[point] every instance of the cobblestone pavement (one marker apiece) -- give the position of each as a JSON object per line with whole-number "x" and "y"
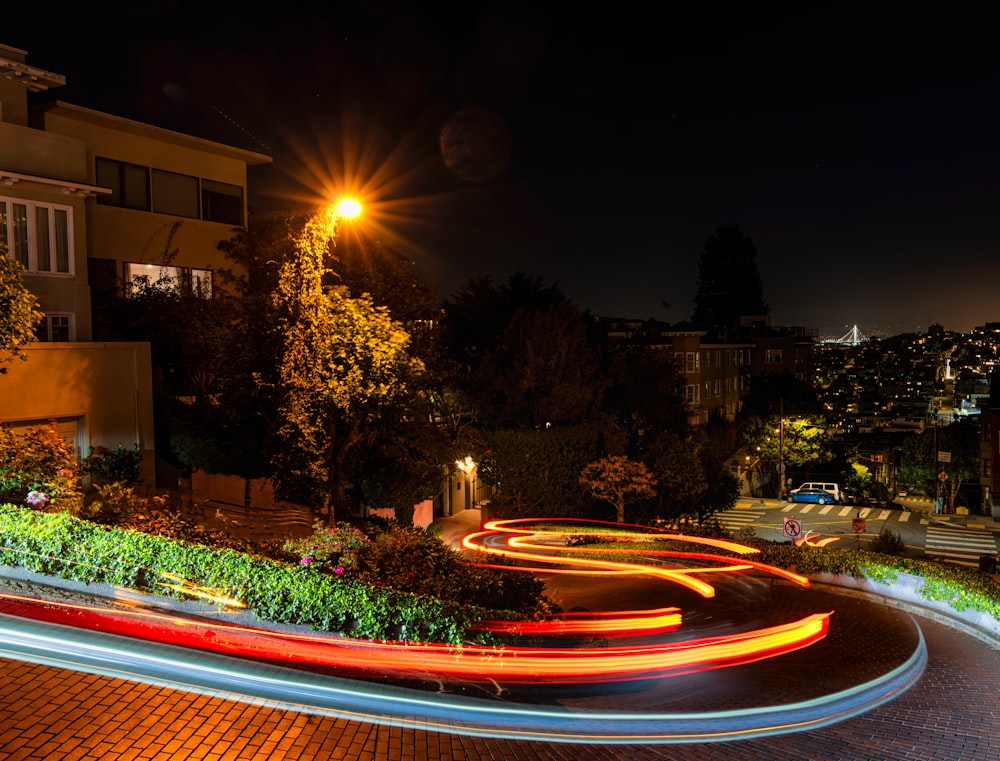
{"x": 51, "y": 713}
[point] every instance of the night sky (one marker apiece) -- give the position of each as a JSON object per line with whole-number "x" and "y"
{"x": 596, "y": 150}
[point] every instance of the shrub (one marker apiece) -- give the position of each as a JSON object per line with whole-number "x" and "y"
{"x": 38, "y": 460}
{"x": 329, "y": 548}
{"x": 888, "y": 543}
{"x": 408, "y": 559}
{"x": 67, "y": 547}
{"x": 120, "y": 466}
{"x": 118, "y": 504}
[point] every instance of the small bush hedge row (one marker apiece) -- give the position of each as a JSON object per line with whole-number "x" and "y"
{"x": 960, "y": 587}
{"x": 70, "y": 548}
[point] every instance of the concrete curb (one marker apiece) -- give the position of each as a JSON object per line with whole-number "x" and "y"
{"x": 905, "y": 595}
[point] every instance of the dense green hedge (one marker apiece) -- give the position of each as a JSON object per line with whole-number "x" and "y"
{"x": 66, "y": 547}
{"x": 960, "y": 587}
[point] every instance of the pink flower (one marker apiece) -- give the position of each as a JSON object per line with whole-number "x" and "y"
{"x": 338, "y": 570}
{"x": 306, "y": 560}
{"x": 37, "y": 498}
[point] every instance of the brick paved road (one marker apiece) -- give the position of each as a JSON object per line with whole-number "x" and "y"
{"x": 49, "y": 713}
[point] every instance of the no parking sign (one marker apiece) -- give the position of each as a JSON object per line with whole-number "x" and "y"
{"x": 793, "y": 528}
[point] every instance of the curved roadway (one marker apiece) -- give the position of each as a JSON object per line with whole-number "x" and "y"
{"x": 54, "y": 704}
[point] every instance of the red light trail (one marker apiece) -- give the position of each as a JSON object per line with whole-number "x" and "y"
{"x": 504, "y": 664}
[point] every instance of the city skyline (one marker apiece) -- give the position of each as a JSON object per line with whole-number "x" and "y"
{"x": 598, "y": 153}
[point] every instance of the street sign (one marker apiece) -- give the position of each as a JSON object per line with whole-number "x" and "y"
{"x": 942, "y": 476}
{"x": 793, "y": 528}
{"x": 858, "y": 524}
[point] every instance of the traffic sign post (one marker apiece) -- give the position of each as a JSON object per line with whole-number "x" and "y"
{"x": 793, "y": 528}
{"x": 858, "y": 526}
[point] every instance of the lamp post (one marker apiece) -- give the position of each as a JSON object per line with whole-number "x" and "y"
{"x": 781, "y": 449}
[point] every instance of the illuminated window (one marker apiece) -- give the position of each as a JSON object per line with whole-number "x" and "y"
{"x": 187, "y": 280}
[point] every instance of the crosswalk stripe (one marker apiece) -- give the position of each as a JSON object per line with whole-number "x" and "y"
{"x": 738, "y": 519}
{"x": 959, "y": 545}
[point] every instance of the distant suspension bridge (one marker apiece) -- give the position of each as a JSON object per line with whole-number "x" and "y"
{"x": 851, "y": 338}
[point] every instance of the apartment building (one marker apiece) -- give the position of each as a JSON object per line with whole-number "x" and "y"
{"x": 717, "y": 372}
{"x": 89, "y": 202}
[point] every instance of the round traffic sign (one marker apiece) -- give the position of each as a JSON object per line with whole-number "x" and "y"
{"x": 793, "y": 528}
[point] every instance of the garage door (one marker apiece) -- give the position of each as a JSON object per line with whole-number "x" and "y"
{"x": 69, "y": 428}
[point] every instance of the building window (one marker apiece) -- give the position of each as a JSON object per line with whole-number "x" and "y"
{"x": 38, "y": 235}
{"x": 180, "y": 195}
{"x": 129, "y": 184}
{"x": 175, "y": 194}
{"x": 53, "y": 327}
{"x": 773, "y": 357}
{"x": 691, "y": 394}
{"x": 692, "y": 362}
{"x": 221, "y": 202}
{"x": 186, "y": 280}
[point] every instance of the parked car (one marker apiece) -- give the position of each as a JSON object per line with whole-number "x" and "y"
{"x": 810, "y": 494}
{"x": 826, "y": 486}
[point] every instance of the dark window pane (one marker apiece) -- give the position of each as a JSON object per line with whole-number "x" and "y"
{"x": 221, "y": 202}
{"x": 136, "y": 180}
{"x": 175, "y": 194}
{"x": 109, "y": 176}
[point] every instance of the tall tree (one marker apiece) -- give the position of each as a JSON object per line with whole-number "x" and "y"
{"x": 920, "y": 465}
{"x": 535, "y": 472}
{"x": 367, "y": 266}
{"x": 344, "y": 366}
{"x": 797, "y": 443}
{"x": 477, "y": 316}
{"x": 546, "y": 370}
{"x": 677, "y": 464}
{"x": 729, "y": 284}
{"x": 19, "y": 313}
{"x": 645, "y": 396}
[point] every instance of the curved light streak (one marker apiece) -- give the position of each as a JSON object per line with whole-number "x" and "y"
{"x": 288, "y": 689}
{"x": 197, "y": 655}
{"x": 509, "y": 665}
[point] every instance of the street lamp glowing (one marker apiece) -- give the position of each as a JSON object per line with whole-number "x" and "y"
{"x": 348, "y": 208}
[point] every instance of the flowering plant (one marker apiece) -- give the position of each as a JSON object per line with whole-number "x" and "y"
{"x": 333, "y": 549}
{"x": 38, "y": 498}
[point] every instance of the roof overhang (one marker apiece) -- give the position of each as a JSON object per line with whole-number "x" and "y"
{"x": 68, "y": 187}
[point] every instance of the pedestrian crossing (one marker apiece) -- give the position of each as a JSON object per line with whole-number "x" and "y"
{"x": 959, "y": 545}
{"x": 847, "y": 511}
{"x": 739, "y": 518}
{"x": 963, "y": 545}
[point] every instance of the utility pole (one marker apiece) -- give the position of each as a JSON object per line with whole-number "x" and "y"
{"x": 781, "y": 448}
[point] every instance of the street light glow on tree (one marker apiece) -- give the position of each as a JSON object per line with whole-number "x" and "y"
{"x": 344, "y": 366}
